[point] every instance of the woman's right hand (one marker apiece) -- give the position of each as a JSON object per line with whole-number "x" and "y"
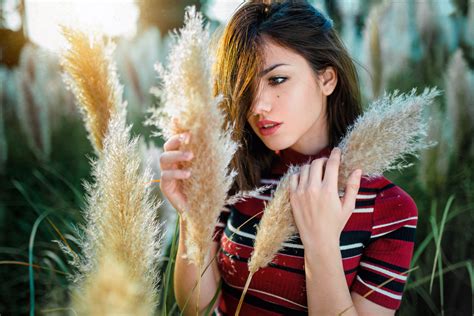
{"x": 171, "y": 175}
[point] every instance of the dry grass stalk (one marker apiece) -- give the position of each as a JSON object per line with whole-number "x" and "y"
{"x": 459, "y": 104}
{"x": 33, "y": 108}
{"x": 276, "y": 226}
{"x": 189, "y": 105}
{"x": 121, "y": 240}
{"x": 91, "y": 74}
{"x": 391, "y": 128}
{"x": 373, "y": 37}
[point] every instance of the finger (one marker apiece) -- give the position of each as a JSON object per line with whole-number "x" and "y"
{"x": 316, "y": 173}
{"x": 176, "y": 140}
{"x": 352, "y": 188}
{"x": 168, "y": 159}
{"x": 332, "y": 169}
{"x": 293, "y": 182}
{"x": 170, "y": 175}
{"x": 304, "y": 176}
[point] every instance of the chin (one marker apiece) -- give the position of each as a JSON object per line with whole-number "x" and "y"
{"x": 274, "y": 146}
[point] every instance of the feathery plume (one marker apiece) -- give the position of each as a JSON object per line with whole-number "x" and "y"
{"x": 121, "y": 240}
{"x": 272, "y": 235}
{"x": 434, "y": 163}
{"x": 391, "y": 128}
{"x": 189, "y": 105}
{"x": 91, "y": 74}
{"x": 33, "y": 107}
{"x": 397, "y": 120}
{"x": 459, "y": 103}
{"x": 375, "y": 53}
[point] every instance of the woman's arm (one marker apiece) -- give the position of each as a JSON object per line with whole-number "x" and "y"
{"x": 186, "y": 276}
{"x": 326, "y": 286}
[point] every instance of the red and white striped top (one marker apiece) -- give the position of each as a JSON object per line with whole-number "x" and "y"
{"x": 376, "y": 245}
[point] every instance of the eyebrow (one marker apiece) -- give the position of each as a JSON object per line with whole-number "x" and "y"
{"x": 264, "y": 72}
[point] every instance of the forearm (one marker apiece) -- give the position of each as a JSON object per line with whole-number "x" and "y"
{"x": 326, "y": 285}
{"x": 186, "y": 276}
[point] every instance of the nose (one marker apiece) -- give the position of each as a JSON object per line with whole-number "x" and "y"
{"x": 261, "y": 104}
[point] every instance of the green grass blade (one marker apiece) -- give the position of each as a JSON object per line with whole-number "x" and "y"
{"x": 170, "y": 266}
{"x": 30, "y": 260}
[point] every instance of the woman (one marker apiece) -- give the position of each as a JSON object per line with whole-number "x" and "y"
{"x": 291, "y": 91}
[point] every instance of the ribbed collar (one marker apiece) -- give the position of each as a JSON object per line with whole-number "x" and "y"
{"x": 289, "y": 156}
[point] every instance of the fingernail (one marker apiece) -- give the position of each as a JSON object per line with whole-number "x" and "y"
{"x": 188, "y": 173}
{"x": 186, "y": 138}
{"x": 358, "y": 172}
{"x": 188, "y": 155}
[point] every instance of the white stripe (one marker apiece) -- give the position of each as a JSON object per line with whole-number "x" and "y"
{"x": 269, "y": 181}
{"x": 262, "y": 197}
{"x": 396, "y": 222}
{"x": 269, "y": 294}
{"x": 220, "y": 225}
{"x": 244, "y": 234}
{"x": 381, "y": 234}
{"x": 388, "y": 232}
{"x": 363, "y": 197}
{"x": 363, "y": 210}
{"x": 286, "y": 244}
{"x": 389, "y": 273}
{"x": 376, "y": 289}
{"x": 352, "y": 246}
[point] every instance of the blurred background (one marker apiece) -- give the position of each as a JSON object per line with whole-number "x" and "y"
{"x": 45, "y": 154}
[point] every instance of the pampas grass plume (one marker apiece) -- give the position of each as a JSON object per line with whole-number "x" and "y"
{"x": 121, "y": 240}
{"x": 189, "y": 105}
{"x": 391, "y": 128}
{"x": 91, "y": 75}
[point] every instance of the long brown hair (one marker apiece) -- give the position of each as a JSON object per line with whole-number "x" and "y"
{"x": 295, "y": 25}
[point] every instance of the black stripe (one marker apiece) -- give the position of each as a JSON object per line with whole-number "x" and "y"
{"x": 260, "y": 303}
{"x": 353, "y": 236}
{"x": 369, "y": 190}
{"x": 271, "y": 264}
{"x": 402, "y": 233}
{"x": 377, "y": 190}
{"x": 351, "y": 252}
{"x": 384, "y": 264}
{"x": 378, "y": 279}
{"x": 388, "y": 186}
{"x": 365, "y": 203}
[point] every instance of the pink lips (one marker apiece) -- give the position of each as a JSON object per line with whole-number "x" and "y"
{"x": 268, "y": 131}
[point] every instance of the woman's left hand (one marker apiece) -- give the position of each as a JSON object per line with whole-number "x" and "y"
{"x": 320, "y": 214}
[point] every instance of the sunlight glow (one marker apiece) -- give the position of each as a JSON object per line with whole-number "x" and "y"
{"x": 112, "y": 17}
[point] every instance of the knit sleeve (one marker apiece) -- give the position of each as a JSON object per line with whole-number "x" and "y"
{"x": 390, "y": 249}
{"x": 221, "y": 223}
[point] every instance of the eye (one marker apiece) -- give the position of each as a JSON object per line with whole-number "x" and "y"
{"x": 276, "y": 80}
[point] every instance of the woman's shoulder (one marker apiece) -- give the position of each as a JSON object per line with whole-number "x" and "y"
{"x": 393, "y": 205}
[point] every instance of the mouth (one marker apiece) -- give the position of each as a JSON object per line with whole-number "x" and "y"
{"x": 269, "y": 129}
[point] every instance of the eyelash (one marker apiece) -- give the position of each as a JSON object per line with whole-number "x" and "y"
{"x": 272, "y": 80}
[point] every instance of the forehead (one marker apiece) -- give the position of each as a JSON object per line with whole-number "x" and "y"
{"x": 273, "y": 53}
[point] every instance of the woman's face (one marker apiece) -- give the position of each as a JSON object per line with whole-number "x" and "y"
{"x": 288, "y": 94}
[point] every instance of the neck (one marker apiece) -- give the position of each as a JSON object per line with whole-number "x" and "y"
{"x": 316, "y": 139}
